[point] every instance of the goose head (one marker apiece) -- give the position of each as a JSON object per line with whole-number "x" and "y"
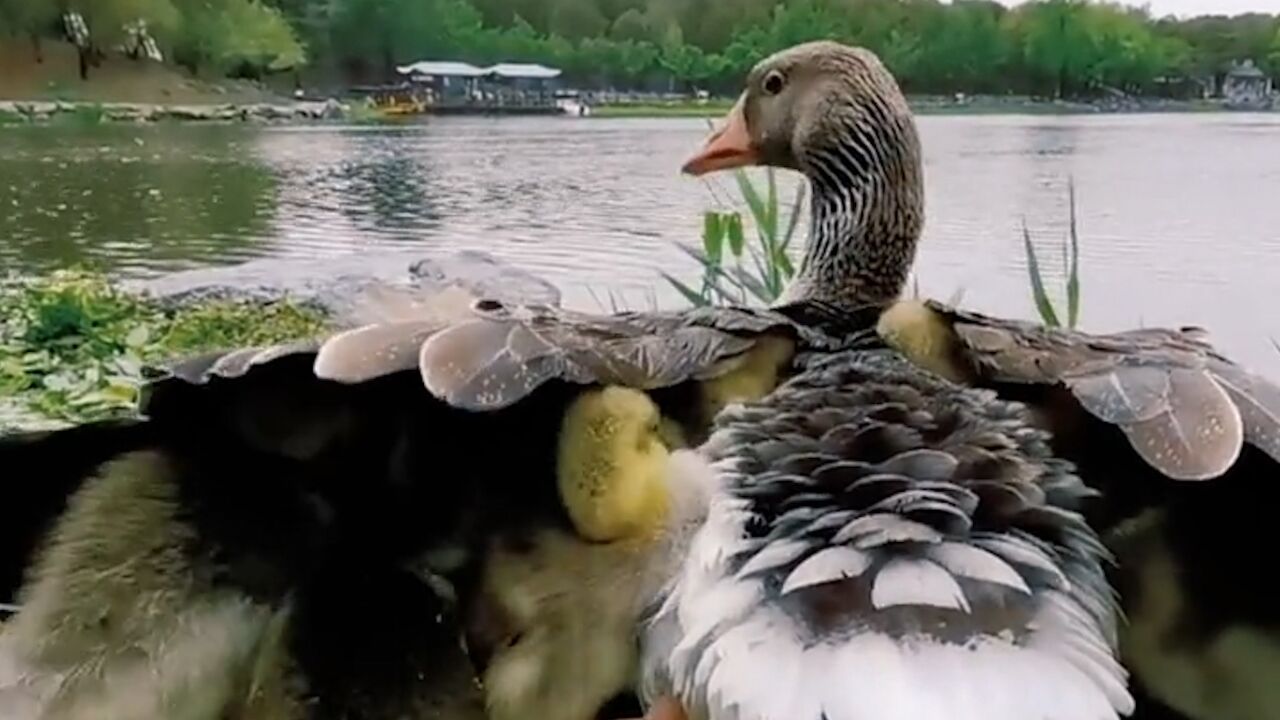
{"x": 835, "y": 114}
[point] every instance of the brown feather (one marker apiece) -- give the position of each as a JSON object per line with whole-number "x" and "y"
{"x": 1197, "y": 437}
{"x": 1185, "y": 410}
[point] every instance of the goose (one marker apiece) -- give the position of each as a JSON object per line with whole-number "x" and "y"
{"x": 1181, "y": 445}
{"x": 334, "y": 527}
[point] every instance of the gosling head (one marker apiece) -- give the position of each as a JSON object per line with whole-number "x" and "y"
{"x": 834, "y": 113}
{"x": 612, "y": 464}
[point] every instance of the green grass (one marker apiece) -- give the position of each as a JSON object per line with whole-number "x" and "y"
{"x": 73, "y": 347}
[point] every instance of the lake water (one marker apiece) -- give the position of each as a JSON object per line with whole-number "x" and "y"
{"x": 1179, "y": 215}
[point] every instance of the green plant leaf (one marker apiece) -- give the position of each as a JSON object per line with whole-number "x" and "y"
{"x": 758, "y": 290}
{"x": 1043, "y": 305}
{"x": 712, "y": 273}
{"x": 783, "y": 262}
{"x": 733, "y": 223}
{"x": 759, "y": 214}
{"x": 1073, "y": 270}
{"x": 712, "y": 235}
{"x": 694, "y": 297}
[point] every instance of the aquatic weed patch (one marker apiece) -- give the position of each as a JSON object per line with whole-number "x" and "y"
{"x": 74, "y": 348}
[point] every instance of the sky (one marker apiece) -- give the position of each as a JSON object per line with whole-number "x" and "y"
{"x": 1187, "y": 8}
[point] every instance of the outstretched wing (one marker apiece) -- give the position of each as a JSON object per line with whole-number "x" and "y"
{"x": 1186, "y": 409}
{"x": 497, "y": 354}
{"x": 472, "y": 354}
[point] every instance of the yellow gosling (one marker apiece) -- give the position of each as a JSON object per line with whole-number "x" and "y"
{"x": 925, "y": 337}
{"x": 611, "y": 464}
{"x": 756, "y": 376}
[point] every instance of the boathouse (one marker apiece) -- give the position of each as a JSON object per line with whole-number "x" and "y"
{"x": 451, "y": 86}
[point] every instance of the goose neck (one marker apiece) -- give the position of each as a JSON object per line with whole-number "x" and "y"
{"x": 866, "y": 214}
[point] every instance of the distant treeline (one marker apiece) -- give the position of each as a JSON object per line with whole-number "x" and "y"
{"x": 1043, "y": 47}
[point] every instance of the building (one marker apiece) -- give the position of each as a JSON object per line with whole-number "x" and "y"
{"x": 1245, "y": 85}
{"x": 450, "y": 86}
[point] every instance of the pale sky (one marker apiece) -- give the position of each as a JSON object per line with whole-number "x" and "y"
{"x": 1186, "y": 8}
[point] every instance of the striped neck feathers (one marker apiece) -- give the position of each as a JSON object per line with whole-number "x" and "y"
{"x": 867, "y": 208}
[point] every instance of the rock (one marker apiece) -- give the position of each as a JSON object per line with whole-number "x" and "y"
{"x": 40, "y": 109}
{"x": 128, "y": 112}
{"x": 131, "y": 112}
{"x": 333, "y": 110}
{"x": 336, "y": 286}
{"x": 187, "y": 112}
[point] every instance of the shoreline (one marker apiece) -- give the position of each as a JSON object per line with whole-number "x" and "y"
{"x": 44, "y": 111}
{"x": 975, "y": 105}
{"x": 23, "y": 112}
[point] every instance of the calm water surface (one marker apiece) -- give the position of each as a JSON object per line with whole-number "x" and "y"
{"x": 1179, "y": 215}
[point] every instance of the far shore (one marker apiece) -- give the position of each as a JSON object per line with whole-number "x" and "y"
{"x": 122, "y": 90}
{"x": 285, "y": 110}
{"x": 971, "y": 105}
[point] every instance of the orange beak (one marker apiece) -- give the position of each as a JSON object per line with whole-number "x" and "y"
{"x": 728, "y": 147}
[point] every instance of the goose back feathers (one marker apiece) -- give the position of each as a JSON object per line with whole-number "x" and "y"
{"x": 882, "y": 544}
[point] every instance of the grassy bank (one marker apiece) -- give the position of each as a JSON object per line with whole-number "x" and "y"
{"x": 692, "y": 108}
{"x": 74, "y": 348}
{"x": 117, "y": 80}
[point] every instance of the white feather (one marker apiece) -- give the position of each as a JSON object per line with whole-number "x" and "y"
{"x": 729, "y": 652}
{"x": 774, "y": 555}
{"x": 914, "y": 581}
{"x": 825, "y": 566}
{"x": 881, "y": 528}
{"x": 977, "y": 564}
{"x": 1023, "y": 553}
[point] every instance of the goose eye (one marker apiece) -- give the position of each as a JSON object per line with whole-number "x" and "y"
{"x": 773, "y": 82}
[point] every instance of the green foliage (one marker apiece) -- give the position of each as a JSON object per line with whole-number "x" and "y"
{"x": 727, "y": 278}
{"x": 236, "y": 35}
{"x": 1043, "y": 47}
{"x": 1071, "y": 261}
{"x": 19, "y": 17}
{"x": 74, "y": 348}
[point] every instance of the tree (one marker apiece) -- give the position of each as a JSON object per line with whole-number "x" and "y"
{"x": 577, "y": 19}
{"x": 27, "y": 17}
{"x": 244, "y": 37}
{"x": 1273, "y": 54}
{"x": 1057, "y": 46}
{"x": 631, "y": 25}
